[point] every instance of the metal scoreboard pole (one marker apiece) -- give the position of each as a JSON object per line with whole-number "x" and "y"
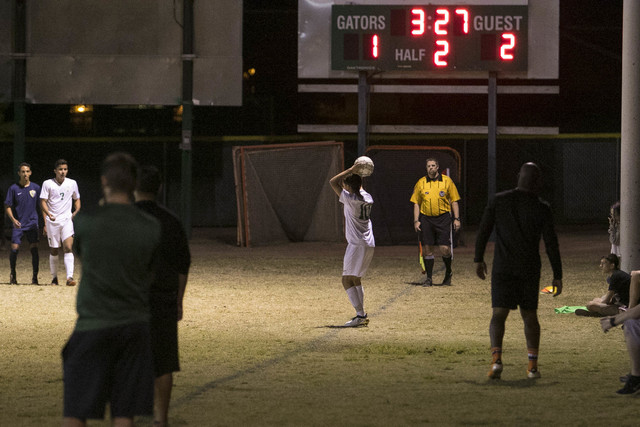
{"x": 492, "y": 133}
{"x": 363, "y": 112}
{"x": 187, "y": 114}
{"x": 19, "y": 81}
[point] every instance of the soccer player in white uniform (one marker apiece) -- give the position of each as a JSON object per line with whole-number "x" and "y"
{"x": 359, "y": 234}
{"x": 57, "y": 197}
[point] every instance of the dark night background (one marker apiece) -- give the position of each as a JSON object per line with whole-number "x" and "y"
{"x": 589, "y": 102}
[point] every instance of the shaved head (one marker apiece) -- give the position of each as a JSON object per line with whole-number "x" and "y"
{"x": 530, "y": 178}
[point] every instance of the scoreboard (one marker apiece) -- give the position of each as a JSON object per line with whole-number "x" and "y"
{"x": 429, "y": 37}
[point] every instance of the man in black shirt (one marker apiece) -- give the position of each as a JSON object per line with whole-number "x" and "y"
{"x": 519, "y": 218}
{"x": 167, "y": 290}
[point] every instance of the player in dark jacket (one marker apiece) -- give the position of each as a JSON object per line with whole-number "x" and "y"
{"x": 519, "y": 218}
{"x": 167, "y": 290}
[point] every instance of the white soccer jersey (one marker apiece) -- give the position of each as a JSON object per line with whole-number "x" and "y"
{"x": 357, "y": 214}
{"x": 60, "y": 197}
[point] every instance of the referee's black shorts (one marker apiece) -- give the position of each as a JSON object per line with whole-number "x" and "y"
{"x": 436, "y": 230}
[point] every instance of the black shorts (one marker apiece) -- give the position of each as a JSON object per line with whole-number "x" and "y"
{"x": 108, "y": 365}
{"x": 510, "y": 291}
{"x": 164, "y": 344}
{"x": 436, "y": 230}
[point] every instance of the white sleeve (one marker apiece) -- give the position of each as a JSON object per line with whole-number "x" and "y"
{"x": 44, "y": 190}
{"x": 344, "y": 197}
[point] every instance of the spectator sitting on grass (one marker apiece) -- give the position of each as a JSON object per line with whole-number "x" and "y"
{"x": 617, "y": 296}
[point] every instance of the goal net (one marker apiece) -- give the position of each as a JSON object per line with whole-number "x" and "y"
{"x": 397, "y": 169}
{"x": 283, "y": 192}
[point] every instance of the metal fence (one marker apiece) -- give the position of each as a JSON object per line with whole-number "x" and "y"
{"x": 582, "y": 172}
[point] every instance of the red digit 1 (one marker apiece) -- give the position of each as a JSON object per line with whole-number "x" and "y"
{"x": 440, "y": 55}
{"x": 442, "y": 22}
{"x": 506, "y": 48}
{"x": 374, "y": 47}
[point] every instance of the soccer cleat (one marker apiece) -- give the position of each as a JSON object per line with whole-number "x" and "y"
{"x": 587, "y": 313}
{"x": 496, "y": 371}
{"x": 70, "y": 281}
{"x": 427, "y": 282}
{"x": 54, "y": 281}
{"x": 12, "y": 279}
{"x": 34, "y": 280}
{"x": 533, "y": 374}
{"x": 357, "y": 321}
{"x": 625, "y": 378}
{"x": 631, "y": 386}
{"x": 447, "y": 279}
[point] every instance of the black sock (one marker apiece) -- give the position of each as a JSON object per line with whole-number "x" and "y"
{"x": 13, "y": 256}
{"x": 447, "y": 264}
{"x": 428, "y": 265}
{"x": 35, "y": 261}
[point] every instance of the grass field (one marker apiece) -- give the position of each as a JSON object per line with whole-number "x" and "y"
{"x": 259, "y": 344}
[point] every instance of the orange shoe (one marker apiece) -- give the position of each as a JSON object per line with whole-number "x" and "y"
{"x": 71, "y": 282}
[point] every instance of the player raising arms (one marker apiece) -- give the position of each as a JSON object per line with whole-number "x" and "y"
{"x": 359, "y": 234}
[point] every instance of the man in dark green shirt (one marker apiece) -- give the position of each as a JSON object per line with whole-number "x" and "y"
{"x": 108, "y": 356}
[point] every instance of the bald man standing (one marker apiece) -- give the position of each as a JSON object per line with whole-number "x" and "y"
{"x": 519, "y": 218}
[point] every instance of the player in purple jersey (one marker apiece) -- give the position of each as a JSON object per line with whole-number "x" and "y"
{"x": 21, "y": 208}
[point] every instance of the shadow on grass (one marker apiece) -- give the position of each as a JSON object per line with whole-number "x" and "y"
{"x": 340, "y": 327}
{"x": 26, "y": 284}
{"x": 419, "y": 284}
{"x": 519, "y": 383}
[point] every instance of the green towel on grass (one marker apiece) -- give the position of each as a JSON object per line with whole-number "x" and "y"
{"x": 567, "y": 309}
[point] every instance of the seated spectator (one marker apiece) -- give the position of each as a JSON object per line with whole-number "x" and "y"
{"x": 631, "y": 321}
{"x": 617, "y": 296}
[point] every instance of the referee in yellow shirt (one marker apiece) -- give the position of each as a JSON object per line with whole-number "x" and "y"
{"x": 435, "y": 197}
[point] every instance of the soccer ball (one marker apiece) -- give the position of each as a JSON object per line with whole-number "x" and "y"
{"x": 363, "y": 166}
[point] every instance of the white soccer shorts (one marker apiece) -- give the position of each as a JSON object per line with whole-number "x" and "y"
{"x": 356, "y": 260}
{"x": 59, "y": 232}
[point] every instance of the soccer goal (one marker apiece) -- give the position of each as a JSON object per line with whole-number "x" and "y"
{"x": 283, "y": 192}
